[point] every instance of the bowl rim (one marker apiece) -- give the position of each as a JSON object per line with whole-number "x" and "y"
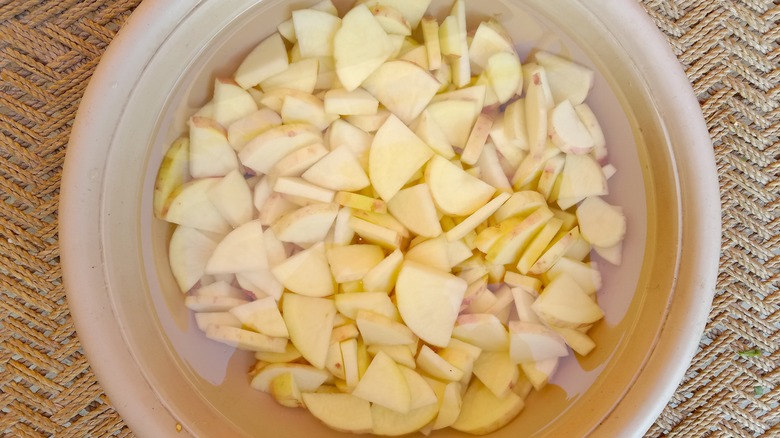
{"x": 114, "y": 81}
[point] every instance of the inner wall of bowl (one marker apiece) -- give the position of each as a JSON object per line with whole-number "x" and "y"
{"x": 208, "y": 380}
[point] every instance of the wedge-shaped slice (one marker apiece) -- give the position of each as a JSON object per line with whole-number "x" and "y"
{"x": 456, "y": 118}
{"x": 536, "y": 113}
{"x": 261, "y": 283}
{"x": 210, "y": 153}
{"x": 352, "y": 262}
{"x": 564, "y": 304}
{"x": 285, "y": 391}
{"x": 242, "y": 131}
{"x": 581, "y": 177}
{"x": 523, "y": 305}
{"x": 396, "y": 155}
{"x": 586, "y": 275}
{"x": 287, "y": 30}
{"x": 343, "y": 133}
{"x": 505, "y": 75}
{"x": 450, "y": 402}
{"x": 267, "y": 59}
{"x": 401, "y": 354}
{"x": 306, "y": 109}
{"x": 307, "y": 377}
{"x": 538, "y": 245}
{"x": 601, "y": 224}
{"x": 429, "y": 301}
{"x": 568, "y": 81}
{"x": 557, "y": 249}
{"x": 356, "y": 60}
{"x": 476, "y": 141}
{"x": 384, "y": 384}
{"x": 342, "y": 412}
{"x": 492, "y": 172}
{"x": 482, "y": 412}
{"x": 307, "y": 272}
{"x": 244, "y": 339}
{"x": 174, "y": 171}
{"x": 342, "y": 233}
{"x": 310, "y": 323}
{"x": 274, "y": 99}
{"x": 402, "y": 87}
{"x": 295, "y": 164}
{"x": 567, "y": 130}
{"x": 462, "y": 355}
{"x": 520, "y": 204}
{"x": 301, "y": 75}
{"x": 370, "y": 123}
{"x": 382, "y": 236}
{"x": 350, "y": 103}
{"x": 420, "y": 391}
{"x": 388, "y": 422}
{"x": 489, "y": 39}
{"x": 551, "y": 172}
{"x": 262, "y": 153}
{"x": 577, "y": 340}
{"x": 315, "y": 31}
{"x": 509, "y": 247}
{"x": 382, "y": 277}
{"x": 539, "y": 372}
{"x": 290, "y": 354}
{"x": 382, "y": 219}
{"x": 360, "y": 202}
{"x": 377, "y": 329}
{"x": 303, "y": 192}
{"x": 233, "y": 198}
{"x": 412, "y": 10}
{"x": 350, "y": 349}
{"x": 339, "y": 170}
{"x": 240, "y": 251}
{"x": 205, "y": 319}
{"x": 454, "y": 190}
{"x": 476, "y": 218}
{"x": 530, "y": 342}
{"x": 432, "y": 252}
{"x": 275, "y": 207}
{"x": 415, "y": 209}
{"x": 436, "y": 366}
{"x": 188, "y": 254}
{"x": 483, "y": 330}
{"x": 588, "y": 118}
{"x": 430, "y": 31}
{"x": 515, "y": 128}
{"x": 231, "y": 102}
{"x": 612, "y": 254}
{"x": 262, "y": 316}
{"x": 308, "y": 224}
{"x": 497, "y": 372}
{"x": 377, "y": 302}
{"x": 461, "y": 66}
{"x": 189, "y": 205}
{"x": 334, "y": 361}
{"x": 326, "y": 6}
{"x": 391, "y": 20}
{"x": 431, "y": 133}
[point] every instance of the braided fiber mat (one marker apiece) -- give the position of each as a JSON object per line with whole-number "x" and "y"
{"x": 49, "y": 49}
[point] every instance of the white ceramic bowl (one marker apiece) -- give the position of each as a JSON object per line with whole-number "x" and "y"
{"x": 160, "y": 371}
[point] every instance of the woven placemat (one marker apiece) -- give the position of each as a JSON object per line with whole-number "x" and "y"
{"x": 49, "y": 49}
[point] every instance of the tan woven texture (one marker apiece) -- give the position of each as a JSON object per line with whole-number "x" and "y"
{"x": 49, "y": 49}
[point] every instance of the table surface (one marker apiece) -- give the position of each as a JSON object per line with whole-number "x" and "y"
{"x": 49, "y": 49}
